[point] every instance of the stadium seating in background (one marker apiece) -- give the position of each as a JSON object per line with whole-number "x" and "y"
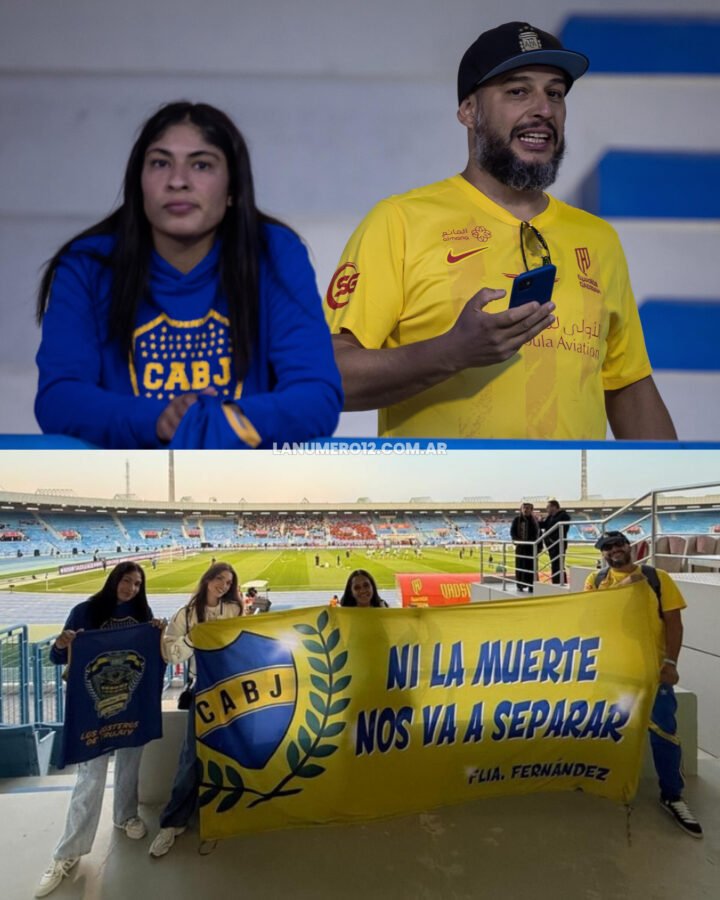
{"x": 651, "y": 184}
{"x": 25, "y": 750}
{"x": 698, "y": 321}
{"x": 57, "y": 730}
{"x": 706, "y": 544}
{"x": 670, "y": 552}
{"x": 640, "y": 550}
{"x": 677, "y": 181}
{"x": 646, "y": 45}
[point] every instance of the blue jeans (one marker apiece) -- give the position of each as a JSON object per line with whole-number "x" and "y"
{"x": 184, "y": 795}
{"x": 666, "y": 749}
{"x": 83, "y": 816}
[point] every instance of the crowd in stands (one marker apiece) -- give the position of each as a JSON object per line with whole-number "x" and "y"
{"x": 65, "y": 534}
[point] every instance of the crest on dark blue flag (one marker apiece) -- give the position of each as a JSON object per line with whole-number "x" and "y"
{"x": 246, "y": 697}
{"x": 111, "y": 679}
{"x": 114, "y": 689}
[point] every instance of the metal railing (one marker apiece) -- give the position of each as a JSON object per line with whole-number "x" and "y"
{"x": 32, "y": 688}
{"x": 14, "y": 675}
{"x": 48, "y": 686}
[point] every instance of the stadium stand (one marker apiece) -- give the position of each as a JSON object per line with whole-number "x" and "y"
{"x": 357, "y": 531}
{"x": 220, "y": 532}
{"x": 89, "y": 533}
{"x": 646, "y": 44}
{"x": 670, "y": 552}
{"x": 625, "y": 183}
{"x": 24, "y": 533}
{"x": 25, "y": 750}
{"x": 431, "y": 530}
{"x": 664, "y": 319}
{"x": 150, "y": 532}
{"x": 654, "y": 184}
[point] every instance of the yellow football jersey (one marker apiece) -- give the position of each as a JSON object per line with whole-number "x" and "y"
{"x": 417, "y": 258}
{"x": 670, "y": 596}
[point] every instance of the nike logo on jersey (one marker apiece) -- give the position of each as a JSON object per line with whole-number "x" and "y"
{"x": 451, "y": 258}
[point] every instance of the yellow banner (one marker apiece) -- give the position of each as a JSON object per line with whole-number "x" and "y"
{"x": 335, "y": 715}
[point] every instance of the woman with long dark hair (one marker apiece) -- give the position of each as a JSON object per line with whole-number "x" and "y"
{"x": 120, "y": 602}
{"x": 216, "y": 598}
{"x": 361, "y": 590}
{"x": 187, "y": 317}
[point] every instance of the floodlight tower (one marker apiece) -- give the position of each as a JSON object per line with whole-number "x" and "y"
{"x": 171, "y": 476}
{"x": 127, "y": 477}
{"x": 583, "y": 475}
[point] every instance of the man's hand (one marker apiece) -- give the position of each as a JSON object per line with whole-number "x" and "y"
{"x": 672, "y": 620}
{"x": 479, "y": 338}
{"x": 380, "y": 378}
{"x": 633, "y": 578}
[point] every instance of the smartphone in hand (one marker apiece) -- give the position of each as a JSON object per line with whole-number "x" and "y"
{"x": 537, "y": 284}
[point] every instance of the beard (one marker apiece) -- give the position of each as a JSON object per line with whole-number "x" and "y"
{"x": 620, "y": 561}
{"x": 493, "y": 154}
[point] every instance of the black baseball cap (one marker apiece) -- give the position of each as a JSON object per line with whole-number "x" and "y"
{"x": 607, "y": 538}
{"x": 514, "y": 46}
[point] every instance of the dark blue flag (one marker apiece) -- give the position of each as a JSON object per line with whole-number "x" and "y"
{"x": 113, "y": 693}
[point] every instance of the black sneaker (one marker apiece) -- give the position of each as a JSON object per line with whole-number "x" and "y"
{"x": 680, "y": 811}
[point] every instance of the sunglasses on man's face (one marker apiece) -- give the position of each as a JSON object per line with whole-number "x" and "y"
{"x": 614, "y": 545}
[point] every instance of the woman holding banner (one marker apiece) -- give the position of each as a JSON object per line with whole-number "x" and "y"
{"x": 121, "y": 602}
{"x": 361, "y": 590}
{"x": 216, "y": 598}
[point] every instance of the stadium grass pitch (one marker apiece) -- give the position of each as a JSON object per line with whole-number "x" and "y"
{"x": 291, "y": 570}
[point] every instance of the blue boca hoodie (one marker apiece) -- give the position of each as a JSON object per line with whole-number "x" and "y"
{"x": 90, "y": 389}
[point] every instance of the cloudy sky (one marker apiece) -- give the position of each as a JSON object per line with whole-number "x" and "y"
{"x": 265, "y": 477}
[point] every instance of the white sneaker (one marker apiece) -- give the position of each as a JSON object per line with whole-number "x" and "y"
{"x": 59, "y": 869}
{"x": 164, "y": 840}
{"x": 134, "y": 828}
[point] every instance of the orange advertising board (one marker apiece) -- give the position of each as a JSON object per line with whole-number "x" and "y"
{"x": 435, "y": 590}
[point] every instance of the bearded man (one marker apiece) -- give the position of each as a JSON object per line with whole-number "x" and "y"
{"x": 666, "y": 750}
{"x": 418, "y": 306}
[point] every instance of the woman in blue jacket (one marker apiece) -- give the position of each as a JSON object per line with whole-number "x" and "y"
{"x": 120, "y": 602}
{"x": 186, "y": 318}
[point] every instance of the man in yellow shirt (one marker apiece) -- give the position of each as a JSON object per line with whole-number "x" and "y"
{"x": 667, "y": 753}
{"x": 418, "y": 306}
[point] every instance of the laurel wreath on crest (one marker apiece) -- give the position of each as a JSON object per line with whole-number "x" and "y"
{"x": 311, "y": 743}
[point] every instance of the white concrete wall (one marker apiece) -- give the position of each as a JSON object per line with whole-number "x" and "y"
{"x": 699, "y": 664}
{"x": 342, "y": 103}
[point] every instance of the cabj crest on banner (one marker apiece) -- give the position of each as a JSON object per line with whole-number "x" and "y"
{"x": 247, "y": 716}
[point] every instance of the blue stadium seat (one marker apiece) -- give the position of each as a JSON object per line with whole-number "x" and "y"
{"x": 642, "y": 44}
{"x": 682, "y": 334}
{"x": 25, "y": 750}
{"x": 57, "y": 729}
{"x": 646, "y": 184}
